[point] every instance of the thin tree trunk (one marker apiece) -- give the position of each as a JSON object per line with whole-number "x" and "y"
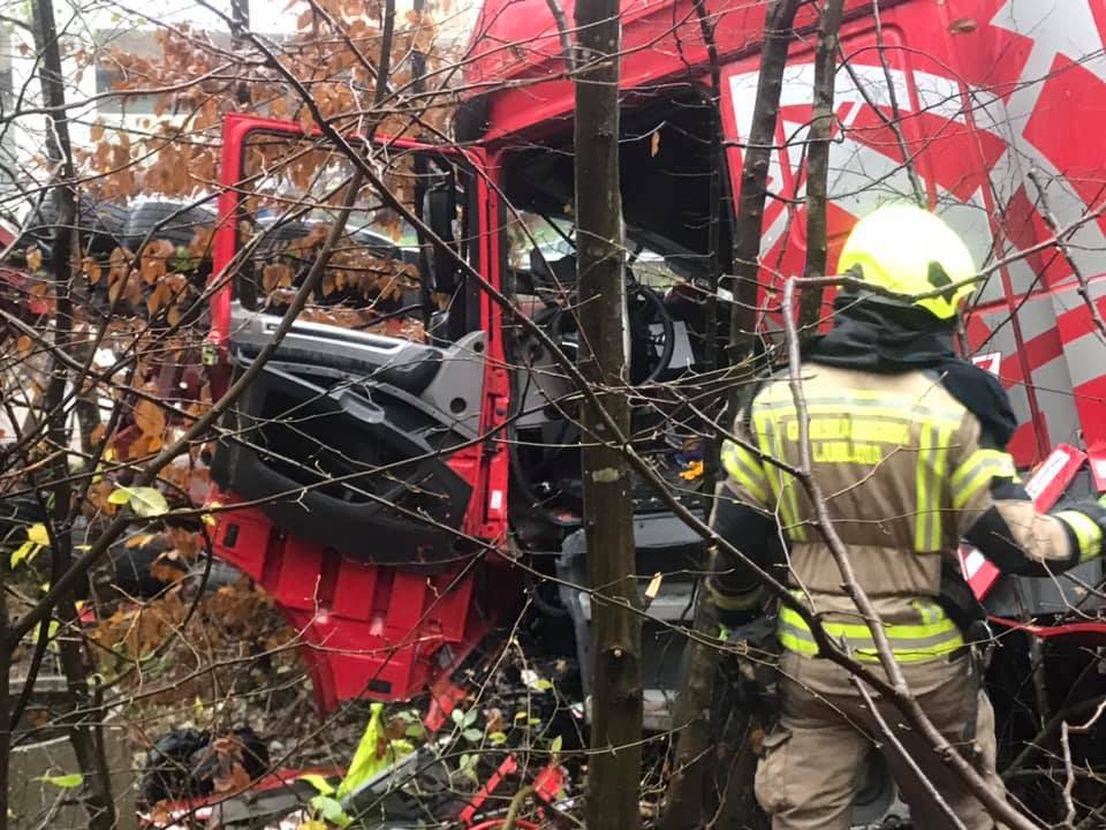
{"x": 817, "y": 161}
{"x": 778, "y": 33}
{"x": 240, "y": 17}
{"x": 84, "y": 733}
{"x": 5, "y": 712}
{"x": 614, "y": 768}
{"x": 687, "y": 796}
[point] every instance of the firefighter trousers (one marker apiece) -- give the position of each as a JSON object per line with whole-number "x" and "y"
{"x": 814, "y": 758}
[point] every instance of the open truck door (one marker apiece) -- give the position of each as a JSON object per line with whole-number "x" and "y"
{"x": 370, "y": 490}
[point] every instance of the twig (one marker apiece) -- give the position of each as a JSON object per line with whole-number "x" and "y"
{"x": 1065, "y": 744}
{"x": 893, "y": 739}
{"x": 817, "y": 164}
{"x": 895, "y": 122}
{"x": 778, "y": 33}
{"x": 562, "y": 34}
{"x": 1069, "y": 779}
{"x": 1050, "y": 222}
{"x": 516, "y": 807}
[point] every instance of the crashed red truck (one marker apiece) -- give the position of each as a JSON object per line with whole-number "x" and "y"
{"x": 393, "y": 589}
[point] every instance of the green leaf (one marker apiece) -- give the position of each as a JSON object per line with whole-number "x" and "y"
{"x": 148, "y": 502}
{"x": 331, "y": 810}
{"x": 25, "y": 553}
{"x": 543, "y": 685}
{"x": 470, "y": 718}
{"x": 457, "y": 716}
{"x": 120, "y": 496}
{"x": 473, "y": 736}
{"x": 467, "y": 765}
{"x": 555, "y": 745}
{"x": 51, "y": 630}
{"x": 37, "y": 533}
{"x": 497, "y": 738}
{"x": 321, "y": 785}
{"x": 65, "y": 782}
{"x": 399, "y": 747}
{"x": 415, "y": 730}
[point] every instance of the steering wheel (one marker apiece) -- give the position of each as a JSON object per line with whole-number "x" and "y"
{"x": 652, "y": 331}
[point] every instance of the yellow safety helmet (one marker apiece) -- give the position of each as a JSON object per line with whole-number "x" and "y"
{"x": 906, "y": 250}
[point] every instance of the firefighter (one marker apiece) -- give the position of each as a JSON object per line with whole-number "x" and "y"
{"x": 908, "y": 446}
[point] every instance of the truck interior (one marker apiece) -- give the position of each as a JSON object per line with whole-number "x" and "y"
{"x": 674, "y": 228}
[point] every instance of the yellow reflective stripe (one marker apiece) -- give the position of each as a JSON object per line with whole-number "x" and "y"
{"x": 765, "y": 435}
{"x": 734, "y": 602}
{"x": 939, "y": 625}
{"x": 746, "y": 469}
{"x": 922, "y": 490}
{"x": 796, "y": 530}
{"x": 1086, "y": 530}
{"x": 976, "y": 471}
{"x": 929, "y": 484}
{"x": 793, "y": 643}
{"x": 789, "y": 505}
{"x": 909, "y": 642}
{"x": 940, "y": 484}
{"x": 770, "y": 439}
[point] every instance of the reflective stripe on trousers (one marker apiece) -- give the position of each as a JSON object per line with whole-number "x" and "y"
{"x": 910, "y": 643}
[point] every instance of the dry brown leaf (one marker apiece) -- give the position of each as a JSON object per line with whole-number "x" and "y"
{"x": 276, "y": 275}
{"x": 235, "y": 780}
{"x": 166, "y": 571}
{"x": 149, "y": 418}
{"x": 92, "y": 270}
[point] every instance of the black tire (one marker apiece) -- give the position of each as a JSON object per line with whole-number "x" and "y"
{"x": 131, "y": 568}
{"x": 176, "y": 222}
{"x": 181, "y": 764}
{"x": 101, "y": 225}
{"x": 166, "y": 773}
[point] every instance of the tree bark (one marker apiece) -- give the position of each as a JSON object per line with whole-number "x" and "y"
{"x": 5, "y": 712}
{"x": 778, "y": 23}
{"x": 817, "y": 163}
{"x": 614, "y": 768}
{"x": 240, "y": 17}
{"x": 84, "y": 733}
{"x": 688, "y": 792}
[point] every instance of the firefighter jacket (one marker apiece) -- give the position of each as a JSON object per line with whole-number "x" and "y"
{"x": 908, "y": 448}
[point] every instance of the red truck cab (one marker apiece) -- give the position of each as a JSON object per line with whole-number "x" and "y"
{"x": 384, "y": 527}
